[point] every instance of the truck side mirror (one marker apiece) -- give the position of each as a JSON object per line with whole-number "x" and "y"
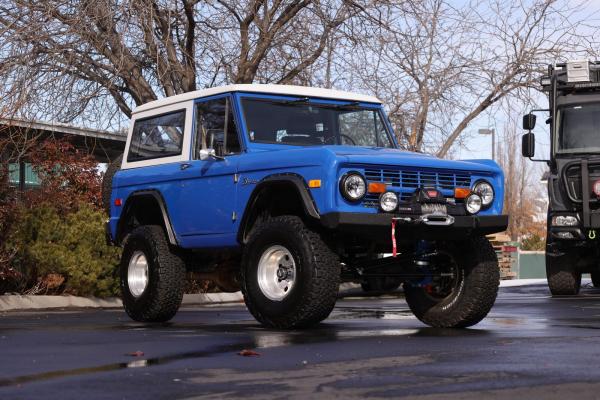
{"x": 529, "y": 121}
{"x": 528, "y": 144}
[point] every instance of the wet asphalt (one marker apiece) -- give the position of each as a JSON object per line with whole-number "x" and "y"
{"x": 530, "y": 346}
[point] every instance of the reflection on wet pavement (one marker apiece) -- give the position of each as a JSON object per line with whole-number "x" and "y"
{"x": 374, "y": 331}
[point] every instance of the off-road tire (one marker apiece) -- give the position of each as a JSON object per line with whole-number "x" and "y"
{"x": 595, "y": 278}
{"x": 163, "y": 294}
{"x": 478, "y": 281}
{"x": 112, "y": 168}
{"x": 380, "y": 284}
{"x": 313, "y": 295}
{"x": 563, "y": 278}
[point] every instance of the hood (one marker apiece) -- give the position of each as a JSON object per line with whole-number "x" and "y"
{"x": 401, "y": 158}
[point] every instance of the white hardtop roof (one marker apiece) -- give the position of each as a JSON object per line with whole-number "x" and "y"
{"x": 263, "y": 89}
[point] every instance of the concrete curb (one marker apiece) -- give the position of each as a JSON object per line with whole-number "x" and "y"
{"x": 35, "y": 302}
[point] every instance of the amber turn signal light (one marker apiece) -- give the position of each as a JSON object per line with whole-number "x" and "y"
{"x": 314, "y": 183}
{"x": 461, "y": 193}
{"x": 377, "y": 187}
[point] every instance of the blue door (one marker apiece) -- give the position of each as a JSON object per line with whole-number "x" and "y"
{"x": 207, "y": 195}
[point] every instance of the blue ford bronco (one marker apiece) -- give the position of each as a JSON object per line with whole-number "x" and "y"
{"x": 284, "y": 192}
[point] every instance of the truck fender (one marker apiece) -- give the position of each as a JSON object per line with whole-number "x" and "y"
{"x": 155, "y": 197}
{"x": 292, "y": 180}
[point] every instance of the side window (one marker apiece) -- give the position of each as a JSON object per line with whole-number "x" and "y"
{"x": 216, "y": 128}
{"x": 156, "y": 137}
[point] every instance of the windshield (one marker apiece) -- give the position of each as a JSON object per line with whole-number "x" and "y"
{"x": 302, "y": 123}
{"x": 579, "y": 128}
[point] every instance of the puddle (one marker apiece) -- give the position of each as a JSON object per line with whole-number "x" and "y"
{"x": 138, "y": 363}
{"x": 376, "y": 313}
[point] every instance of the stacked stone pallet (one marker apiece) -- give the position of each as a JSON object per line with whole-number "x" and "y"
{"x": 506, "y": 254}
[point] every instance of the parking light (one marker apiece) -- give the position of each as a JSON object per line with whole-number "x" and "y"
{"x": 377, "y": 187}
{"x": 461, "y": 193}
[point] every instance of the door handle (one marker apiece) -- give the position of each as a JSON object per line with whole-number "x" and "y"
{"x": 184, "y": 166}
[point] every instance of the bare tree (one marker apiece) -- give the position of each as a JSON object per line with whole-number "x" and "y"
{"x": 439, "y": 67}
{"x": 69, "y": 56}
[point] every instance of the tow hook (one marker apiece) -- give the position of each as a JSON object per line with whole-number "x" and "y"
{"x": 592, "y": 234}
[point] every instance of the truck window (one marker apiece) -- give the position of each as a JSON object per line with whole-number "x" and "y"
{"x": 216, "y": 128}
{"x": 157, "y": 137}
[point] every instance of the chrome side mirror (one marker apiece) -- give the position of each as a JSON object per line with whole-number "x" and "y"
{"x": 206, "y": 154}
{"x": 209, "y": 154}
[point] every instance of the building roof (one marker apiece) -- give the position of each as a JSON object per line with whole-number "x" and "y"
{"x": 263, "y": 89}
{"x": 105, "y": 146}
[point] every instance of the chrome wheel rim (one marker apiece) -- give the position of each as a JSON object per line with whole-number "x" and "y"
{"x": 276, "y": 273}
{"x": 137, "y": 274}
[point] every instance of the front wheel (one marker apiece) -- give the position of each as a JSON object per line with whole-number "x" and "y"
{"x": 290, "y": 277}
{"x": 563, "y": 278}
{"x": 462, "y": 287}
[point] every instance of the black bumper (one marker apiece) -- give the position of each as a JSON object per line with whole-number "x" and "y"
{"x": 380, "y": 225}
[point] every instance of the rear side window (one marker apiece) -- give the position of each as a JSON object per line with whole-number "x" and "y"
{"x": 157, "y": 137}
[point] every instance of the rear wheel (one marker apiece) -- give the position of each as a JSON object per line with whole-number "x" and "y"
{"x": 462, "y": 287}
{"x": 563, "y": 278}
{"x": 290, "y": 277}
{"x": 152, "y": 277}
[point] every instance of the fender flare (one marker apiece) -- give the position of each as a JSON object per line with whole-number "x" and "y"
{"x": 296, "y": 181}
{"x": 157, "y": 196}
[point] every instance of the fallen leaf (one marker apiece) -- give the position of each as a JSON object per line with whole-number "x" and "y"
{"x": 249, "y": 353}
{"x": 136, "y": 354}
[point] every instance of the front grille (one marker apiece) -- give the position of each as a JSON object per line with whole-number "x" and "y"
{"x": 405, "y": 181}
{"x": 573, "y": 181}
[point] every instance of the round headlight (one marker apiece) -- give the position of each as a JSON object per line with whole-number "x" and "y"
{"x": 388, "y": 201}
{"x": 485, "y": 191}
{"x": 473, "y": 203}
{"x": 353, "y": 186}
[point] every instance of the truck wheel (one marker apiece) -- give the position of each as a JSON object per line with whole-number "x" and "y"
{"x": 595, "y": 278}
{"x": 290, "y": 277}
{"x": 152, "y": 277}
{"x": 563, "y": 279}
{"x": 381, "y": 284}
{"x": 112, "y": 168}
{"x": 463, "y": 286}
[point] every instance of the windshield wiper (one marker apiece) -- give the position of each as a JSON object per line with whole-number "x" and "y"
{"x": 302, "y": 100}
{"x": 349, "y": 106}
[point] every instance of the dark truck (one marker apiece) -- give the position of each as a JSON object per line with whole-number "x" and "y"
{"x": 572, "y": 245}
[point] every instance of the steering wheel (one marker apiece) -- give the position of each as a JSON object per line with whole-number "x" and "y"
{"x": 331, "y": 138}
{"x": 349, "y": 139}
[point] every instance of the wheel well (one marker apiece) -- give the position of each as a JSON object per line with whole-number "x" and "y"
{"x": 273, "y": 200}
{"x": 144, "y": 209}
